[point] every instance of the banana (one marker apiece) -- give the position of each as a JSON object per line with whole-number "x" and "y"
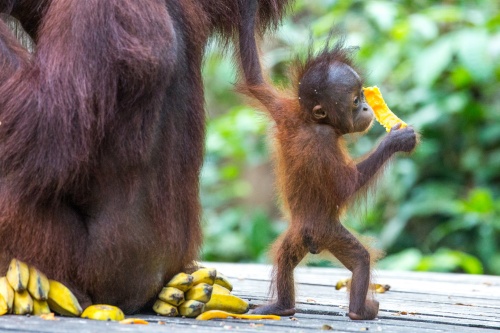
{"x": 62, "y": 300}
{"x": 165, "y": 309}
{"x": 40, "y": 307}
{"x": 382, "y": 112}
{"x": 223, "y": 281}
{"x": 48, "y": 316}
{"x": 7, "y": 292}
{"x": 218, "y": 289}
{"x": 200, "y": 292}
{"x": 38, "y": 285}
{"x": 217, "y": 314}
{"x": 191, "y": 308}
{"x": 4, "y": 308}
{"x": 18, "y": 275}
{"x": 342, "y": 283}
{"x": 229, "y": 303}
{"x": 204, "y": 275}
{"x": 380, "y": 288}
{"x": 103, "y": 312}
{"x": 181, "y": 281}
{"x": 172, "y": 295}
{"x": 23, "y": 303}
{"x": 136, "y": 321}
{"x": 377, "y": 287}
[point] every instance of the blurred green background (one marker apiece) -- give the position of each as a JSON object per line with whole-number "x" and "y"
{"x": 438, "y": 66}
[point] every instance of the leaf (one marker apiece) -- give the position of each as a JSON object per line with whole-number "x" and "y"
{"x": 432, "y": 61}
{"x": 480, "y": 200}
{"x": 472, "y": 52}
{"x": 402, "y": 261}
{"x": 383, "y": 13}
{"x": 423, "y": 26}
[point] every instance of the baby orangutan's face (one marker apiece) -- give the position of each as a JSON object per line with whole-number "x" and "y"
{"x": 342, "y": 103}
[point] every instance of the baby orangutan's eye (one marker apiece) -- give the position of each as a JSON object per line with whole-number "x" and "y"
{"x": 356, "y": 101}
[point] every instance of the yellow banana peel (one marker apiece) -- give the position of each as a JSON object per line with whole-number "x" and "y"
{"x": 7, "y": 292}
{"x": 62, "y": 300}
{"x": 103, "y": 312}
{"x": 40, "y": 307}
{"x": 191, "y": 308}
{"x": 218, "y": 289}
{"x": 165, "y": 309}
{"x": 229, "y": 303}
{"x": 4, "y": 308}
{"x": 204, "y": 275}
{"x": 172, "y": 296}
{"x": 38, "y": 284}
{"x": 18, "y": 275}
{"x": 181, "y": 281}
{"x": 218, "y": 314}
{"x": 223, "y": 281}
{"x": 23, "y": 303}
{"x": 200, "y": 292}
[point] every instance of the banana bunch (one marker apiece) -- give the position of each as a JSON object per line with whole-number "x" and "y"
{"x": 382, "y": 112}
{"x": 189, "y": 295}
{"x": 26, "y": 290}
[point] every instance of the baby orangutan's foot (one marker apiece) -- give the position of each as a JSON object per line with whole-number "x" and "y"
{"x": 275, "y": 309}
{"x": 368, "y": 312}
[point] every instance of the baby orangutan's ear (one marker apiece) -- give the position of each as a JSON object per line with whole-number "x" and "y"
{"x": 318, "y": 112}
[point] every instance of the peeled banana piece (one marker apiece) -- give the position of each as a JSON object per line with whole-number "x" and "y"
{"x": 38, "y": 284}
{"x": 23, "y": 303}
{"x": 62, "y": 300}
{"x": 103, "y": 312}
{"x": 382, "y": 112}
{"x": 134, "y": 321}
{"x": 7, "y": 292}
{"x": 229, "y": 303}
{"x": 18, "y": 275}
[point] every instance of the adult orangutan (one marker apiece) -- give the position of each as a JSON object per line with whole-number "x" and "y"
{"x": 101, "y": 138}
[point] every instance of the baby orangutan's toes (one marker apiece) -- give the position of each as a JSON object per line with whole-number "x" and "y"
{"x": 275, "y": 309}
{"x": 369, "y": 311}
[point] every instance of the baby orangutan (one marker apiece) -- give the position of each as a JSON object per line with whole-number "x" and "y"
{"x": 316, "y": 177}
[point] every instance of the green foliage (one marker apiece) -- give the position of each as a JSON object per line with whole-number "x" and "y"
{"x": 438, "y": 66}
{"x": 233, "y": 232}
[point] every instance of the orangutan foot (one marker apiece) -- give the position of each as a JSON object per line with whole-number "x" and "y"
{"x": 368, "y": 312}
{"x": 275, "y": 309}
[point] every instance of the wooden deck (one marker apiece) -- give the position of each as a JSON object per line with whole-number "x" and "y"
{"x": 416, "y": 302}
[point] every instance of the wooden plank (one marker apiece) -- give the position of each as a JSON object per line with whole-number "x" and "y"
{"x": 417, "y": 302}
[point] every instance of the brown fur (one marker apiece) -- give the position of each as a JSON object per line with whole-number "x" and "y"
{"x": 101, "y": 139}
{"x": 316, "y": 177}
